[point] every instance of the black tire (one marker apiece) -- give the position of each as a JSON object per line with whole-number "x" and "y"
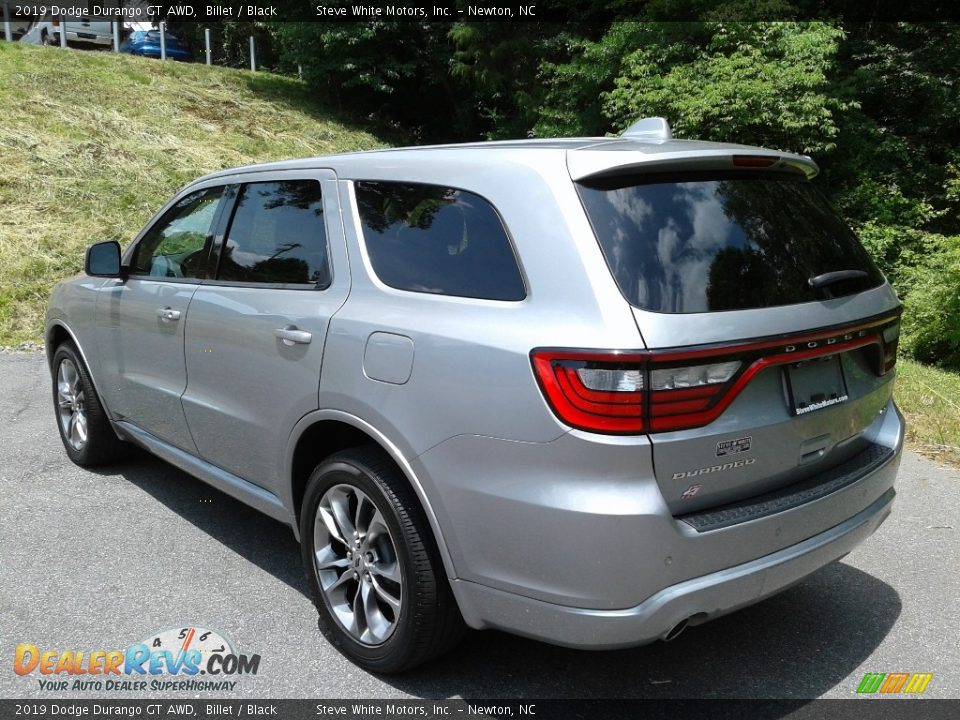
{"x": 429, "y": 622}
{"x": 102, "y": 444}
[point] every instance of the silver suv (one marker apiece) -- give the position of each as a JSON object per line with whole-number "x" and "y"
{"x": 589, "y": 391}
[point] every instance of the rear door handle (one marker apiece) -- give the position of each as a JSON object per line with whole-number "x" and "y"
{"x": 168, "y": 314}
{"x": 290, "y": 335}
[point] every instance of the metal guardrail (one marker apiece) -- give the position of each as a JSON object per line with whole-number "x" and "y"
{"x": 115, "y": 32}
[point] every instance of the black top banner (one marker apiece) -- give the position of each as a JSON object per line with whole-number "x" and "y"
{"x": 494, "y": 11}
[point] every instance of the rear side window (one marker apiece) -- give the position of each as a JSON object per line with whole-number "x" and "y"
{"x": 433, "y": 239}
{"x": 723, "y": 242}
{"x": 277, "y": 235}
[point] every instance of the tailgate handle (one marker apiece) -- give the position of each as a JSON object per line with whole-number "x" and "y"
{"x": 814, "y": 449}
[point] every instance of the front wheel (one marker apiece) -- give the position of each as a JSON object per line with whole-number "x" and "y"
{"x": 372, "y": 565}
{"x": 84, "y": 427}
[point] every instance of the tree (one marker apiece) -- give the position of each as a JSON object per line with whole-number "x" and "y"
{"x": 394, "y": 73}
{"x": 756, "y": 83}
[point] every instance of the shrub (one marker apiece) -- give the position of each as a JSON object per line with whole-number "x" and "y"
{"x": 924, "y": 268}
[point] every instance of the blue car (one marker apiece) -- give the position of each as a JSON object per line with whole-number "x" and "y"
{"x": 147, "y": 43}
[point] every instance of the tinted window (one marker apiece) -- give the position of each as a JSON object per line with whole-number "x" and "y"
{"x": 722, "y": 242}
{"x": 439, "y": 240}
{"x": 277, "y": 235}
{"x": 178, "y": 244}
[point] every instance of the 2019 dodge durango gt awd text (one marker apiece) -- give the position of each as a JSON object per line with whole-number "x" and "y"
{"x": 584, "y": 390}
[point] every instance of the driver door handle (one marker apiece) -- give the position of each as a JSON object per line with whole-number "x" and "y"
{"x": 168, "y": 314}
{"x": 290, "y": 335}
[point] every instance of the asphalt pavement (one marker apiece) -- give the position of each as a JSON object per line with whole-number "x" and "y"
{"x": 105, "y": 559}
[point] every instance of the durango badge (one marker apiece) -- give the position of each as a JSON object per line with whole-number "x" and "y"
{"x": 714, "y": 468}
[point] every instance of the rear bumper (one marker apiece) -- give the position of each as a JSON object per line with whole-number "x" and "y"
{"x": 561, "y": 552}
{"x": 80, "y": 36}
{"x": 697, "y": 600}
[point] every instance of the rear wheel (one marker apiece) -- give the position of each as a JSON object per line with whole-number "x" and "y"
{"x": 373, "y": 569}
{"x": 84, "y": 428}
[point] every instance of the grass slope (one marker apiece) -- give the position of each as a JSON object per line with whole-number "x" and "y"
{"x": 930, "y": 400}
{"x": 93, "y": 143}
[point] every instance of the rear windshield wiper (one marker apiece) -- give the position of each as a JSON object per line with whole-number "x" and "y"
{"x": 830, "y": 278}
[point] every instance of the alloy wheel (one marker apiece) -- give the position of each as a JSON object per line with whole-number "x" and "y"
{"x": 356, "y": 562}
{"x": 71, "y": 405}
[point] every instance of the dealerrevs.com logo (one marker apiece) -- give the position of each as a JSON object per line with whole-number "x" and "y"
{"x": 167, "y": 661}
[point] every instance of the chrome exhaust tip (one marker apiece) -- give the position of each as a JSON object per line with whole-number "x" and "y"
{"x": 675, "y": 631}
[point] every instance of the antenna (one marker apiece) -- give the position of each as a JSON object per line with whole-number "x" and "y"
{"x": 653, "y": 128}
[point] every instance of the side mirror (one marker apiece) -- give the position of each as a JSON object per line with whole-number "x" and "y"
{"x": 103, "y": 259}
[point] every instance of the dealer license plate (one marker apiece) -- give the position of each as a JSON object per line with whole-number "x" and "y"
{"x": 815, "y": 385}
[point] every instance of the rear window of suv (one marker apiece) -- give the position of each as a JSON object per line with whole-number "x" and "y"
{"x": 688, "y": 244}
{"x": 440, "y": 240}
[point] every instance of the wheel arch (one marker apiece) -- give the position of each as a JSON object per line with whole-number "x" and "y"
{"x": 56, "y": 333}
{"x": 324, "y": 432}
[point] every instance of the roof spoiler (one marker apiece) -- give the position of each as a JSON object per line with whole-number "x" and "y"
{"x": 652, "y": 128}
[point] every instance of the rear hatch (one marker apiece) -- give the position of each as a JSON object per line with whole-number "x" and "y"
{"x": 770, "y": 334}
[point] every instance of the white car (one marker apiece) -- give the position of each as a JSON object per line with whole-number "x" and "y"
{"x": 78, "y": 31}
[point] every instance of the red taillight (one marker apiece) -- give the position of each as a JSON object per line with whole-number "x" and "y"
{"x": 576, "y": 399}
{"x": 611, "y": 393}
{"x": 55, "y": 22}
{"x": 658, "y": 391}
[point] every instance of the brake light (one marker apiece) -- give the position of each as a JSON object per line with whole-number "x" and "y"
{"x": 679, "y": 395}
{"x": 601, "y": 396}
{"x": 55, "y": 22}
{"x": 754, "y": 161}
{"x": 628, "y": 394}
{"x": 619, "y": 392}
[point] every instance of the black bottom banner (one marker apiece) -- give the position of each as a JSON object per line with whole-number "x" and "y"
{"x": 204, "y": 709}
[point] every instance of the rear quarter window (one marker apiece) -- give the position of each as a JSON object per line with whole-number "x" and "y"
{"x": 690, "y": 244}
{"x": 440, "y": 240}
